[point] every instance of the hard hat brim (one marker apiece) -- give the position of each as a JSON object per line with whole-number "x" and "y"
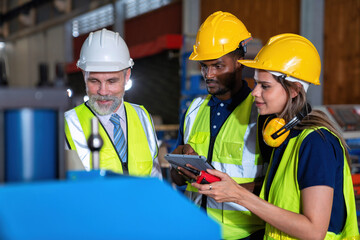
{"x": 205, "y": 57}
{"x": 103, "y": 67}
{"x": 257, "y": 65}
{"x": 252, "y": 64}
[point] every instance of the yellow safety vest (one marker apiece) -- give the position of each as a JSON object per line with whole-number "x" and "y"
{"x": 236, "y": 153}
{"x": 141, "y": 140}
{"x": 288, "y": 196}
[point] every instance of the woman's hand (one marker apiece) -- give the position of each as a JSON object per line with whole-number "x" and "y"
{"x": 226, "y": 190}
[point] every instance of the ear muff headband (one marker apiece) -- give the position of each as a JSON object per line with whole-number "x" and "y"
{"x": 275, "y": 131}
{"x": 272, "y": 126}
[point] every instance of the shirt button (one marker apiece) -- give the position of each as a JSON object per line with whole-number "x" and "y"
{"x": 214, "y": 126}
{"x": 221, "y": 104}
{"x": 218, "y": 114}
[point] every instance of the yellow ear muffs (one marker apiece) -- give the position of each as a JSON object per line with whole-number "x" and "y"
{"x": 276, "y": 130}
{"x": 273, "y": 125}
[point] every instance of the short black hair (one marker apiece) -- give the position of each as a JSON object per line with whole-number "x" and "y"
{"x": 238, "y": 53}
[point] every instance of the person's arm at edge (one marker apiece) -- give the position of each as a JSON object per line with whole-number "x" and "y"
{"x": 316, "y": 201}
{"x": 176, "y": 176}
{"x": 156, "y": 168}
{"x": 265, "y": 151}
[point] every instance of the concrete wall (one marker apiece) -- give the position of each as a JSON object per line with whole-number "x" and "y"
{"x": 25, "y": 54}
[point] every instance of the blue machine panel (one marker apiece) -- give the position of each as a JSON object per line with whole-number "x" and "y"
{"x": 31, "y": 142}
{"x": 108, "y": 208}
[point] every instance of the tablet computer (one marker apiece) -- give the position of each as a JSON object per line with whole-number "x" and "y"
{"x": 179, "y": 160}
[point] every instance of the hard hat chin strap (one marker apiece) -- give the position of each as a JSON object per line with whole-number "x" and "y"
{"x": 291, "y": 79}
{"x": 243, "y": 43}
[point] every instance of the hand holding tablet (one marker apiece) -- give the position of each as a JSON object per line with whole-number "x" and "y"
{"x": 198, "y": 162}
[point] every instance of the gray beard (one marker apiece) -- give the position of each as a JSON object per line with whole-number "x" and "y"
{"x": 103, "y": 110}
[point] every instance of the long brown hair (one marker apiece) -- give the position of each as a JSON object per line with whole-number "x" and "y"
{"x": 315, "y": 118}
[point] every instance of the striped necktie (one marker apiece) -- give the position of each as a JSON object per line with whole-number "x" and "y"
{"x": 119, "y": 138}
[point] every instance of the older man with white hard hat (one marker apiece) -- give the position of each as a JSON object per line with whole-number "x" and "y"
{"x": 130, "y": 143}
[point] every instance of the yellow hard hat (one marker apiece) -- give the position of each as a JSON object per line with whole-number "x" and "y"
{"x": 290, "y": 54}
{"x": 220, "y": 34}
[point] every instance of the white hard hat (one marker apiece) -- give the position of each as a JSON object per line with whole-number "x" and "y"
{"x": 104, "y": 51}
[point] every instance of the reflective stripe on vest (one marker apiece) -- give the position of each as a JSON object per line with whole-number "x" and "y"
{"x": 140, "y": 135}
{"x": 289, "y": 197}
{"x": 236, "y": 152}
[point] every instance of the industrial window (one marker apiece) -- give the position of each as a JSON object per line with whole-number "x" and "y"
{"x": 96, "y": 19}
{"x": 104, "y": 16}
{"x": 137, "y": 7}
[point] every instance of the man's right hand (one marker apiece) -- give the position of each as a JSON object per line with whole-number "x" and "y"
{"x": 185, "y": 149}
{"x": 177, "y": 177}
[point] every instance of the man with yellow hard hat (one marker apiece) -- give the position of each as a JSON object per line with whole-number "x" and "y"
{"x": 222, "y": 126}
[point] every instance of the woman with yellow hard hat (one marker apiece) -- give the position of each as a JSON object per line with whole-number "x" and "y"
{"x": 308, "y": 191}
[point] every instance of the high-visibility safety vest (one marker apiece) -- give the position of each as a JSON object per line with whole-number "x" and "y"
{"x": 288, "y": 196}
{"x": 235, "y": 152}
{"x": 141, "y": 140}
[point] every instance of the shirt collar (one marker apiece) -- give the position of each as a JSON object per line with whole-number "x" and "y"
{"x": 233, "y": 101}
{"x": 293, "y": 133}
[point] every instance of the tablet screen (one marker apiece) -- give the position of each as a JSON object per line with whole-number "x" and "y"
{"x": 179, "y": 160}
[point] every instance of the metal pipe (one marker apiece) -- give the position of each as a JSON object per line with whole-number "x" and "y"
{"x": 95, "y": 143}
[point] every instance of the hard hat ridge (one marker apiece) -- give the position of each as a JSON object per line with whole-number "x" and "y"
{"x": 90, "y": 37}
{"x": 104, "y": 51}
{"x": 220, "y": 34}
